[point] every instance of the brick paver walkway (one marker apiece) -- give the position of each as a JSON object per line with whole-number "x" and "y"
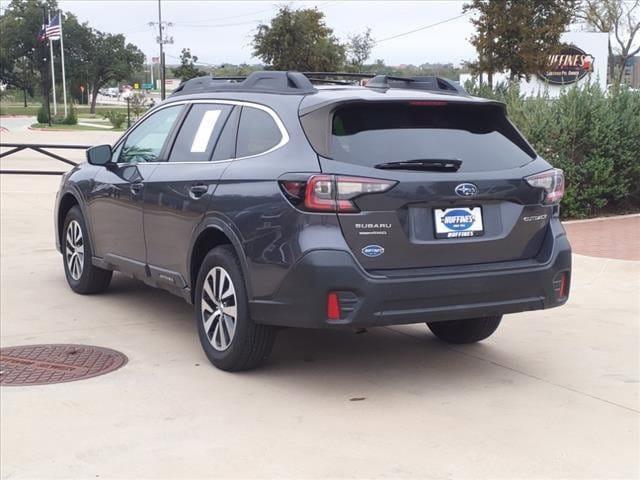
{"x": 607, "y": 237}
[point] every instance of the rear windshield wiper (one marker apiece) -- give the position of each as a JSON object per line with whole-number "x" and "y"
{"x": 427, "y": 164}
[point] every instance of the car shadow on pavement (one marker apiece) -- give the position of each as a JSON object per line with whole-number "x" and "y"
{"x": 380, "y": 356}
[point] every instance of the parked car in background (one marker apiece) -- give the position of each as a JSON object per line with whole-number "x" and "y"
{"x": 275, "y": 202}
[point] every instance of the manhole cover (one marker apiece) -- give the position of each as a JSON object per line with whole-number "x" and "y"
{"x": 42, "y": 364}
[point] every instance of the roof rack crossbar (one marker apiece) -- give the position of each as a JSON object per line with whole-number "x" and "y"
{"x": 431, "y": 83}
{"x": 338, "y": 74}
{"x": 330, "y": 81}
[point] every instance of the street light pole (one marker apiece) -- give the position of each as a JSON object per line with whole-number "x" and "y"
{"x": 24, "y": 79}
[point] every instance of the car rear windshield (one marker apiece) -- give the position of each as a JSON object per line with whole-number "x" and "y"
{"x": 479, "y": 135}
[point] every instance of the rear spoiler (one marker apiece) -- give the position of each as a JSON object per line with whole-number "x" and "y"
{"x": 360, "y": 99}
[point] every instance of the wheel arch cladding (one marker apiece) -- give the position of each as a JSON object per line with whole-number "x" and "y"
{"x": 208, "y": 239}
{"x": 67, "y": 202}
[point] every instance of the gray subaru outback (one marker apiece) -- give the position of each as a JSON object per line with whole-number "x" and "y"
{"x": 306, "y": 200}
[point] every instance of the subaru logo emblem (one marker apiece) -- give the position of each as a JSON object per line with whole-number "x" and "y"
{"x": 466, "y": 190}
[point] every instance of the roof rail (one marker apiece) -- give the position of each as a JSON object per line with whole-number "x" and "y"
{"x": 298, "y": 83}
{"x": 262, "y": 82}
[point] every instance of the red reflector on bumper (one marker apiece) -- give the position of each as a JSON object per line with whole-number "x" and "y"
{"x": 333, "y": 306}
{"x": 563, "y": 285}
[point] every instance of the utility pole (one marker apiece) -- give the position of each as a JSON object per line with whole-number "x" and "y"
{"x": 162, "y": 73}
{"x": 162, "y": 40}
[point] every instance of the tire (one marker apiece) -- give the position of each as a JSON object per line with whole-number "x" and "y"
{"x": 231, "y": 344}
{"x": 82, "y": 276}
{"x": 468, "y": 330}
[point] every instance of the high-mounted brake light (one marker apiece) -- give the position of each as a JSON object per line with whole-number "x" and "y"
{"x": 552, "y": 181}
{"x": 427, "y": 103}
{"x": 331, "y": 193}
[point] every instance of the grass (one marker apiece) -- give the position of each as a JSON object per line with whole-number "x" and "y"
{"x": 32, "y": 110}
{"x": 60, "y": 126}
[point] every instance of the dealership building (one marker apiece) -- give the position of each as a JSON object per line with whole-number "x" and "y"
{"x": 582, "y": 60}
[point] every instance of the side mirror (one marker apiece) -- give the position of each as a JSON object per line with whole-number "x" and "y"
{"x": 99, "y": 155}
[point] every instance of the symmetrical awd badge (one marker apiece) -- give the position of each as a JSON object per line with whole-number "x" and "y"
{"x": 466, "y": 190}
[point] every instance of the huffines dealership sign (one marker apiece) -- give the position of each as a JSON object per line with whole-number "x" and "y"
{"x": 569, "y": 65}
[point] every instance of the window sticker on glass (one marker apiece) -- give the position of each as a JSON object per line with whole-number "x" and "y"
{"x": 201, "y": 140}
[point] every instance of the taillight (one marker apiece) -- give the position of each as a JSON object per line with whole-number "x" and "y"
{"x": 331, "y": 193}
{"x": 552, "y": 181}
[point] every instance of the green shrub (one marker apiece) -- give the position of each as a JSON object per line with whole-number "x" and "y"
{"x": 116, "y": 118}
{"x": 43, "y": 116}
{"x": 592, "y": 135}
{"x": 72, "y": 117}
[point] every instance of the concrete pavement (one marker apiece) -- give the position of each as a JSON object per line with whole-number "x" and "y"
{"x": 553, "y": 394}
{"x": 15, "y": 124}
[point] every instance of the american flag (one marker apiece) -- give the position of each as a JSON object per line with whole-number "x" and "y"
{"x": 53, "y": 29}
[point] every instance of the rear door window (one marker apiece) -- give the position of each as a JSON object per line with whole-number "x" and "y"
{"x": 226, "y": 146}
{"x": 257, "y": 132}
{"x": 199, "y": 133}
{"x": 479, "y": 135}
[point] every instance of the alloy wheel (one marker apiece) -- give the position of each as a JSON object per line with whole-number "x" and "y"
{"x": 74, "y": 250}
{"x": 219, "y": 308}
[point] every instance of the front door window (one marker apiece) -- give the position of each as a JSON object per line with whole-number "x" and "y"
{"x": 145, "y": 142}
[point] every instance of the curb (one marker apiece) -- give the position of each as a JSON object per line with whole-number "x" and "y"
{"x": 51, "y": 129}
{"x": 36, "y": 129}
{"x": 599, "y": 219}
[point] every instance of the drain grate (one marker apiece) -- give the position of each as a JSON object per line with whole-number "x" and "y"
{"x": 56, "y": 363}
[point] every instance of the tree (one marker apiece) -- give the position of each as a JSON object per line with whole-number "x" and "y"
{"x": 620, "y": 18}
{"x": 359, "y": 49}
{"x": 20, "y": 50}
{"x": 187, "y": 68}
{"x": 111, "y": 60}
{"x": 298, "y": 40}
{"x": 91, "y": 56}
{"x": 230, "y": 70}
{"x": 517, "y": 35}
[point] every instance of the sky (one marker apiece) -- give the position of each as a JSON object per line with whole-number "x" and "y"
{"x": 221, "y": 31}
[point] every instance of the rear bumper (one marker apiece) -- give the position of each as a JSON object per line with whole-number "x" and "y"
{"x": 381, "y": 298}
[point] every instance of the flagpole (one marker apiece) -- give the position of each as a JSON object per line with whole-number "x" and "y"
{"x": 64, "y": 81}
{"x": 53, "y": 74}
{"x": 44, "y": 32}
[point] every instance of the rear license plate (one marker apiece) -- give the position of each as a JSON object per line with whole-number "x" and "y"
{"x": 458, "y": 222}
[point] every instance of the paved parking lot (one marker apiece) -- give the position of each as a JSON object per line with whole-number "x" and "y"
{"x": 553, "y": 394}
{"x": 594, "y": 237}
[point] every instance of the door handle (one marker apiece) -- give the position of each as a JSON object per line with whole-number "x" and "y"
{"x": 136, "y": 188}
{"x": 196, "y": 191}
